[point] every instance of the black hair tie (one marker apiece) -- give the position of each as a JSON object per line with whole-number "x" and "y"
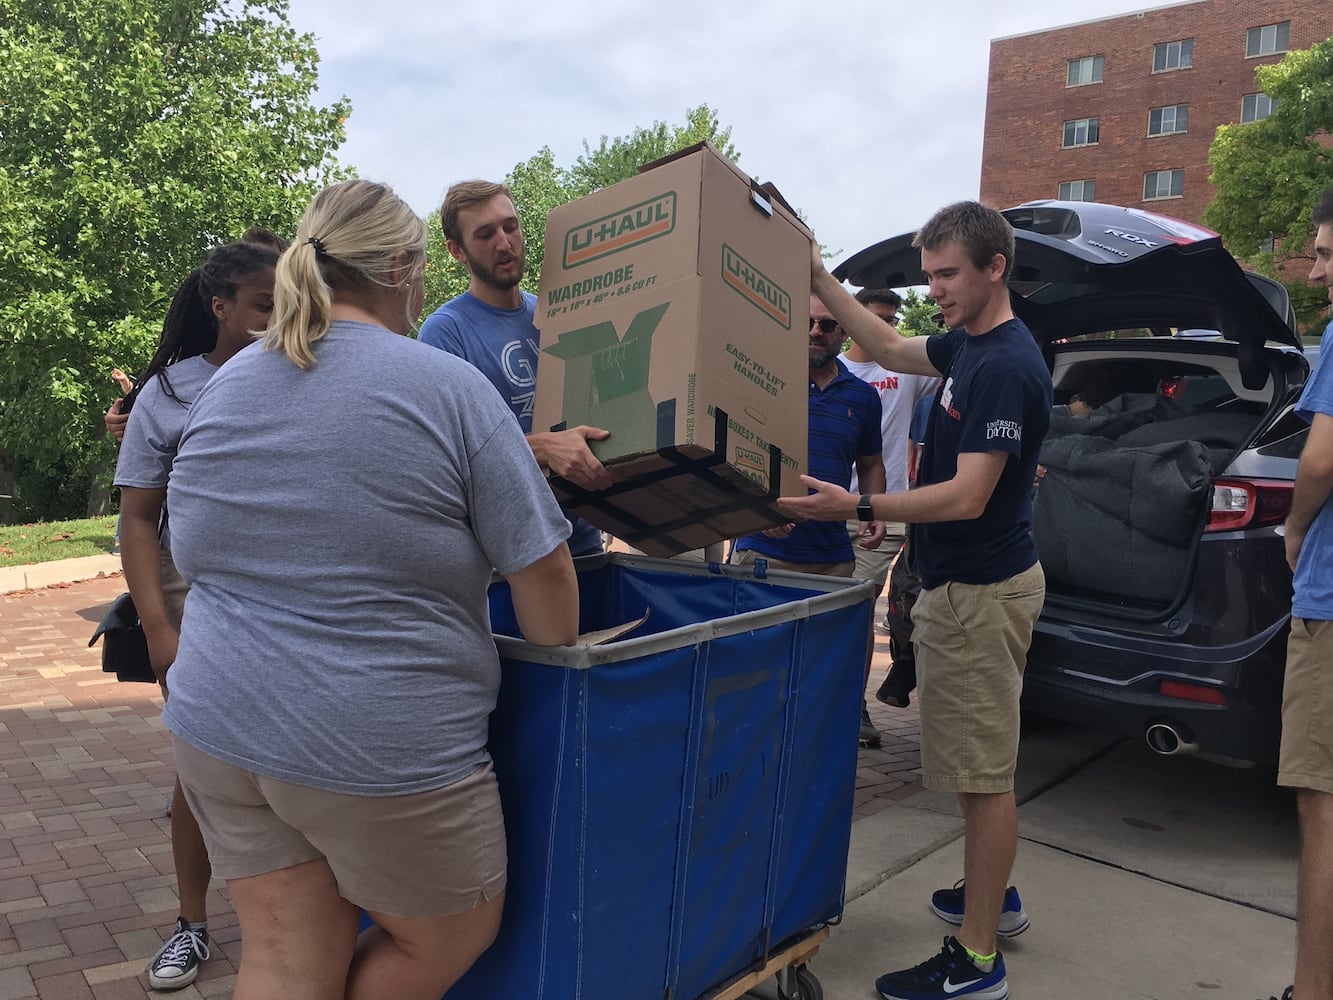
{"x": 318, "y": 244}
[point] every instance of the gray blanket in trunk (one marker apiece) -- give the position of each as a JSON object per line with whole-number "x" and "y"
{"x": 1115, "y": 520}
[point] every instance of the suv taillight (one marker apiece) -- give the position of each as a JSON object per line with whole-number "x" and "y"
{"x": 1248, "y": 503}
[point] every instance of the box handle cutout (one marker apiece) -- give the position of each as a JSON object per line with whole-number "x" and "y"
{"x": 759, "y": 198}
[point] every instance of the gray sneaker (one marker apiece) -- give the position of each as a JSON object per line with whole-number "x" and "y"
{"x": 869, "y": 734}
{"x": 176, "y": 965}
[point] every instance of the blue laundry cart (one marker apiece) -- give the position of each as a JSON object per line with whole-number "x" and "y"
{"x": 678, "y": 802}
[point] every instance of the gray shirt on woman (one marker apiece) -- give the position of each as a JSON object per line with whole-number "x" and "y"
{"x": 338, "y": 527}
{"x": 153, "y": 432}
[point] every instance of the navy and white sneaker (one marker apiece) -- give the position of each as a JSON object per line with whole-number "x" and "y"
{"x": 947, "y": 976}
{"x": 176, "y": 965}
{"x": 948, "y": 906}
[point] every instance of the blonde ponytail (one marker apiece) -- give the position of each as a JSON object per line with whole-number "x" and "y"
{"x": 351, "y": 237}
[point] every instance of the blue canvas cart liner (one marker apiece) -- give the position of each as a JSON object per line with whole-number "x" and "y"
{"x": 678, "y": 803}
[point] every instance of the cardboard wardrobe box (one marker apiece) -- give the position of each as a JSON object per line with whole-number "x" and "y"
{"x": 673, "y": 313}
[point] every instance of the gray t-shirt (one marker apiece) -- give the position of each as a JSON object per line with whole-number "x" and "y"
{"x": 154, "y": 430}
{"x": 338, "y": 527}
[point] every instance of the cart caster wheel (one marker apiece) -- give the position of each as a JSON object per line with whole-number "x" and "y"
{"x": 807, "y": 986}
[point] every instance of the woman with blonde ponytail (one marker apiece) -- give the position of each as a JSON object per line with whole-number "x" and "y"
{"x": 336, "y": 672}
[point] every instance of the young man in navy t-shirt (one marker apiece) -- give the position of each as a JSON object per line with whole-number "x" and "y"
{"x": 983, "y": 587}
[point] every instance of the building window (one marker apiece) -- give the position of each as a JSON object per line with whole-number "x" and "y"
{"x": 1267, "y": 39}
{"x": 1163, "y": 184}
{"x": 1256, "y": 107}
{"x": 1084, "y": 71}
{"x": 1173, "y": 55}
{"x": 1078, "y": 191}
{"x": 1081, "y": 132}
{"x": 1168, "y": 121}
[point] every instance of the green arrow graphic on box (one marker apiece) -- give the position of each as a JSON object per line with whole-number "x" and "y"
{"x": 606, "y": 380}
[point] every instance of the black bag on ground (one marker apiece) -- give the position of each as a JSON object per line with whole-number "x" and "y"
{"x": 124, "y": 646}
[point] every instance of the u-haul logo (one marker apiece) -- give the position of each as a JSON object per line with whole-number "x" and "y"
{"x": 753, "y": 463}
{"x": 756, "y": 287}
{"x": 621, "y": 230}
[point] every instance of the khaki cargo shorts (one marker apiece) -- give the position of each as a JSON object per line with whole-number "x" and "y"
{"x": 971, "y": 647}
{"x": 747, "y": 557}
{"x": 1306, "y": 757}
{"x": 873, "y": 564}
{"x": 429, "y": 854}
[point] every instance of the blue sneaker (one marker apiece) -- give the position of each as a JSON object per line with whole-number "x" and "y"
{"x": 948, "y": 906}
{"x": 947, "y": 976}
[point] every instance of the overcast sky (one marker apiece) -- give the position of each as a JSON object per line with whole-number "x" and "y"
{"x": 868, "y": 116}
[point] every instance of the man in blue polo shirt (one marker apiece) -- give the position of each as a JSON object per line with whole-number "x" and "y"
{"x": 844, "y": 434}
{"x": 982, "y": 586}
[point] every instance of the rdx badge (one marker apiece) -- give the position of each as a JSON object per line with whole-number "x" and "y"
{"x": 1131, "y": 237}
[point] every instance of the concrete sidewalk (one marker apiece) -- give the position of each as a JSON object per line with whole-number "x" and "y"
{"x": 87, "y": 890}
{"x": 1099, "y": 931}
{"x": 57, "y": 573}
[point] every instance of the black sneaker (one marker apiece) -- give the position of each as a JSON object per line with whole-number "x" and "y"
{"x": 947, "y": 976}
{"x": 948, "y": 906}
{"x": 896, "y": 689}
{"x": 176, "y": 965}
{"x": 869, "y": 734}
{"x": 1286, "y": 994}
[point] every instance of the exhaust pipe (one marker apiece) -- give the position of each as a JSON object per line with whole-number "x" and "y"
{"x": 1170, "y": 739}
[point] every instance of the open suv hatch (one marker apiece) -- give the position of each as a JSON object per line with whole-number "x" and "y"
{"x": 1158, "y": 516}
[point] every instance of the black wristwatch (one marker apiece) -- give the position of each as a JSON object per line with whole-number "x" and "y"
{"x": 863, "y": 509}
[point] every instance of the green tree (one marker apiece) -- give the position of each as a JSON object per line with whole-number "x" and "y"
{"x": 1269, "y": 173}
{"x": 135, "y": 135}
{"x": 917, "y": 315}
{"x": 540, "y": 184}
{"x": 616, "y": 159}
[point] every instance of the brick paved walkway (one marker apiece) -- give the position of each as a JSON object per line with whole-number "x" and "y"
{"x": 87, "y": 890}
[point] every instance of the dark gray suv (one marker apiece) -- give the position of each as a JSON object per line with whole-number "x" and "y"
{"x": 1159, "y": 515}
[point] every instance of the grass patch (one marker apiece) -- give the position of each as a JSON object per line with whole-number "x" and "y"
{"x": 46, "y": 541}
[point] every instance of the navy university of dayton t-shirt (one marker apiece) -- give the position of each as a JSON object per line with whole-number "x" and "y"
{"x": 995, "y": 396}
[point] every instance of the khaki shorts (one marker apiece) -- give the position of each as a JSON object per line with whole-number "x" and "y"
{"x": 174, "y": 591}
{"x": 430, "y": 854}
{"x": 971, "y": 647}
{"x": 713, "y": 552}
{"x": 873, "y": 564}
{"x": 1306, "y": 757}
{"x": 747, "y": 557}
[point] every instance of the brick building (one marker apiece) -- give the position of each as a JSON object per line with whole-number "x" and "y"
{"x": 1123, "y": 109}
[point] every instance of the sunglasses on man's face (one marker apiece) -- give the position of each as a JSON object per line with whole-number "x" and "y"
{"x": 891, "y": 320}
{"x": 826, "y": 326}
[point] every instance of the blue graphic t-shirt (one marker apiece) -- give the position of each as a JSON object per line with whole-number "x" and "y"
{"x": 502, "y": 344}
{"x": 1313, "y": 582}
{"x": 996, "y": 396}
